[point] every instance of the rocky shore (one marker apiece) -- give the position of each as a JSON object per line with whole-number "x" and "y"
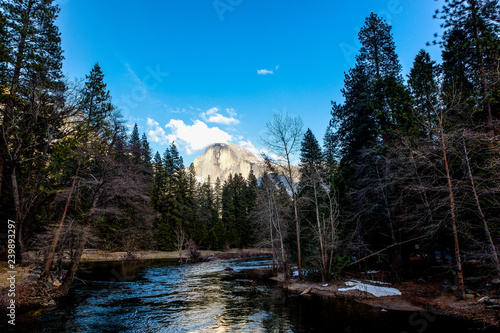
{"x": 481, "y": 307}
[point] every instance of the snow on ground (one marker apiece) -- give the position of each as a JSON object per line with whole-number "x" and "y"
{"x": 378, "y": 282}
{"x": 372, "y": 272}
{"x": 376, "y": 291}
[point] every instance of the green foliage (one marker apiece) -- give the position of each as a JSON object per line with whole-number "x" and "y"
{"x": 4, "y": 55}
{"x": 32, "y": 106}
{"x": 378, "y": 52}
{"x": 238, "y": 197}
{"x": 135, "y": 145}
{"x": 470, "y": 59}
{"x": 95, "y": 102}
{"x": 423, "y": 87}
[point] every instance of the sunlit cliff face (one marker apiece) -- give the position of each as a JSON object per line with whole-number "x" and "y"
{"x": 222, "y": 159}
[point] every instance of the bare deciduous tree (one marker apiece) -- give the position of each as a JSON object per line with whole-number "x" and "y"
{"x": 283, "y": 140}
{"x": 326, "y": 216}
{"x": 272, "y": 214}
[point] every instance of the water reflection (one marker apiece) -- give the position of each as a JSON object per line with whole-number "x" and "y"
{"x": 166, "y": 297}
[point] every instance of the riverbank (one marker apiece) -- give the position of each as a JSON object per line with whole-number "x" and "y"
{"x": 415, "y": 298}
{"x": 100, "y": 255}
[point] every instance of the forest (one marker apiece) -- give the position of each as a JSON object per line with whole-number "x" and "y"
{"x": 406, "y": 178}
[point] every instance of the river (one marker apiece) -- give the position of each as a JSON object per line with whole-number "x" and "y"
{"x": 217, "y": 296}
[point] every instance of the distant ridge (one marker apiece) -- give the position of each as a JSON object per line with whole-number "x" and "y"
{"x": 223, "y": 159}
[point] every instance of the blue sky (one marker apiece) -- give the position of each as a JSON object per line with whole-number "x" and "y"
{"x": 206, "y": 71}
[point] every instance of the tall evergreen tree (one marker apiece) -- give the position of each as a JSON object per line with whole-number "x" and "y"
{"x": 145, "y": 150}
{"x": 229, "y": 210}
{"x": 423, "y": 87}
{"x": 470, "y": 56}
{"x": 376, "y": 102}
{"x": 34, "y": 105}
{"x": 4, "y": 55}
{"x": 311, "y": 155}
{"x": 376, "y": 111}
{"x": 135, "y": 145}
{"x": 95, "y": 102}
{"x": 158, "y": 181}
{"x": 378, "y": 52}
{"x": 251, "y": 202}
{"x": 218, "y": 233}
{"x": 354, "y": 121}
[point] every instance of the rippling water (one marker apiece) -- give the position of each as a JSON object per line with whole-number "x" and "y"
{"x": 205, "y": 297}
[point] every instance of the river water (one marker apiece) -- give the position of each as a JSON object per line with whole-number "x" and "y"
{"x": 162, "y": 296}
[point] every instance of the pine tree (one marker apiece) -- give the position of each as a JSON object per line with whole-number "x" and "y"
{"x": 135, "y": 145}
{"x": 95, "y": 102}
{"x": 311, "y": 199}
{"x": 4, "y": 56}
{"x": 377, "y": 56}
{"x": 158, "y": 182}
{"x": 217, "y": 236}
{"x": 470, "y": 57}
{"x": 34, "y": 105}
{"x": 241, "y": 223}
{"x": 310, "y": 154}
{"x": 228, "y": 210}
{"x": 423, "y": 87}
{"x": 4, "y": 60}
{"x": 218, "y": 196}
{"x": 376, "y": 112}
{"x": 354, "y": 121}
{"x": 331, "y": 154}
{"x": 145, "y": 150}
{"x": 377, "y": 53}
{"x": 377, "y": 104}
{"x": 251, "y": 202}
{"x": 207, "y": 216}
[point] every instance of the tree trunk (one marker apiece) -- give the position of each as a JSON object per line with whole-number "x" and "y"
{"x": 3, "y": 155}
{"x": 63, "y": 290}
{"x": 19, "y": 216}
{"x": 320, "y": 235}
{"x": 77, "y": 255}
{"x": 52, "y": 252}
{"x": 296, "y": 214}
{"x": 460, "y": 275}
{"x": 487, "y": 233}
{"x": 273, "y": 250}
{"x": 396, "y": 254}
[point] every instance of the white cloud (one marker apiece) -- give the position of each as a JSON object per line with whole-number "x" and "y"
{"x": 196, "y": 137}
{"x": 264, "y": 72}
{"x": 249, "y": 146}
{"x": 156, "y": 133}
{"x": 213, "y": 116}
{"x": 267, "y": 71}
{"x": 152, "y": 123}
{"x": 256, "y": 151}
